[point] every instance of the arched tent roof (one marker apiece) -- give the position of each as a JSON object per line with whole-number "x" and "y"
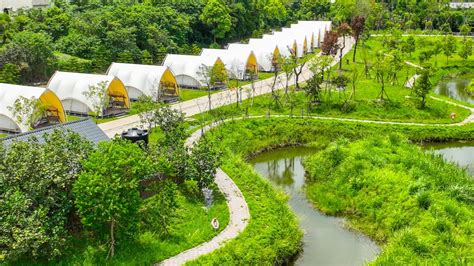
{"x": 282, "y": 40}
{"x": 264, "y": 52}
{"x": 187, "y": 68}
{"x": 297, "y": 37}
{"x": 142, "y": 79}
{"x": 319, "y": 28}
{"x": 309, "y": 31}
{"x": 236, "y": 62}
{"x": 71, "y": 88}
{"x": 273, "y": 41}
{"x": 10, "y": 93}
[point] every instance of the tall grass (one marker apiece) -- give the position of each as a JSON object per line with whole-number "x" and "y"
{"x": 417, "y": 205}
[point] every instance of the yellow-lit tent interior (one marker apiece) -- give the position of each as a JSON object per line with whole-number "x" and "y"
{"x": 49, "y": 109}
{"x": 72, "y": 88}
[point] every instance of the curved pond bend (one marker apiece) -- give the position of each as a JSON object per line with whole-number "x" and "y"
{"x": 455, "y": 88}
{"x": 326, "y": 241}
{"x": 461, "y": 153}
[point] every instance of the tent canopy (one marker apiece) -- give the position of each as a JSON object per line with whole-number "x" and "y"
{"x": 318, "y": 28}
{"x": 10, "y": 93}
{"x": 71, "y": 88}
{"x": 188, "y": 68}
{"x": 238, "y": 62}
{"x": 266, "y": 53}
{"x": 144, "y": 79}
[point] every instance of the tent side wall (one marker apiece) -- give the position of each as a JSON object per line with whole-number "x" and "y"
{"x": 187, "y": 81}
{"x": 8, "y": 124}
{"x": 76, "y": 107}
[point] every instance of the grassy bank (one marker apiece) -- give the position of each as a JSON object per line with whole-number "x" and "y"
{"x": 415, "y": 204}
{"x": 270, "y": 236}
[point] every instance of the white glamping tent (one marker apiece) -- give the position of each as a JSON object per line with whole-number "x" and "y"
{"x": 238, "y": 63}
{"x": 71, "y": 88}
{"x": 266, "y": 53}
{"x": 298, "y": 39}
{"x": 49, "y": 106}
{"x": 285, "y": 43}
{"x": 145, "y": 79}
{"x": 188, "y": 68}
{"x": 319, "y": 29}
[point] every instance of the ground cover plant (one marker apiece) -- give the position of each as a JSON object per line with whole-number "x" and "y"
{"x": 419, "y": 207}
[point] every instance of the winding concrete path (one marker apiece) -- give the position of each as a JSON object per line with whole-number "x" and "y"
{"x": 238, "y": 209}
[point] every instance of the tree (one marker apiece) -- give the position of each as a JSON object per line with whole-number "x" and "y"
{"x": 212, "y": 76}
{"x": 466, "y": 48}
{"x": 383, "y": 71}
{"x": 125, "y": 57}
{"x": 312, "y": 10}
{"x": 300, "y": 64}
{"x": 313, "y": 90}
{"x": 330, "y": 43}
{"x": 158, "y": 209}
{"x": 216, "y": 15}
{"x": 33, "y": 50}
{"x": 423, "y": 84}
{"x": 10, "y": 73}
{"x": 146, "y": 107}
{"x": 107, "y": 193}
{"x": 27, "y": 111}
{"x": 449, "y": 47}
{"x": 286, "y": 64}
{"x": 465, "y": 29}
{"x": 275, "y": 12}
{"x": 37, "y": 206}
{"x": 98, "y": 95}
{"x": 343, "y": 30}
{"x": 146, "y": 58}
{"x": 409, "y": 46}
{"x": 205, "y": 159}
{"x": 357, "y": 25}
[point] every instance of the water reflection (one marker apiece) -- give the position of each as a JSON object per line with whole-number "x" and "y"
{"x": 455, "y": 88}
{"x": 326, "y": 241}
{"x": 461, "y": 153}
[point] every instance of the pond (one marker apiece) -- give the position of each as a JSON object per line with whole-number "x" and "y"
{"x": 461, "y": 153}
{"x": 455, "y": 88}
{"x": 326, "y": 241}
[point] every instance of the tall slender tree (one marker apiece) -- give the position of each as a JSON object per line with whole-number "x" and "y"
{"x": 357, "y": 25}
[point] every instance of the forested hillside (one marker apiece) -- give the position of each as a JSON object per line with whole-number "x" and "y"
{"x": 86, "y": 35}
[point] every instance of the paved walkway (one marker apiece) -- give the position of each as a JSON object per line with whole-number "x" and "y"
{"x": 238, "y": 209}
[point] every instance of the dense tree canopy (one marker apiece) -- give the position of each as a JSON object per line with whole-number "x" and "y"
{"x": 105, "y": 31}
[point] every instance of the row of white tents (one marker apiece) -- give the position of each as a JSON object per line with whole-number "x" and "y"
{"x": 244, "y": 60}
{"x": 68, "y": 92}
